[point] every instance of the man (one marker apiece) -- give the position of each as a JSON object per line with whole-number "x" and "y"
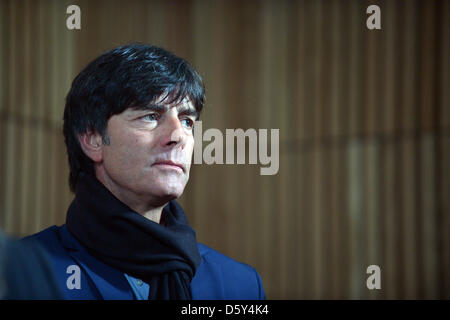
{"x": 128, "y": 127}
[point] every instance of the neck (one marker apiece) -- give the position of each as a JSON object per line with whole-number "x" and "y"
{"x": 152, "y": 214}
{"x": 145, "y": 208}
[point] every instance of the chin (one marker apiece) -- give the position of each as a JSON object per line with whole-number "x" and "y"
{"x": 170, "y": 192}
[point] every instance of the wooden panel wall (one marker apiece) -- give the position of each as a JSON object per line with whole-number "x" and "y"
{"x": 364, "y": 119}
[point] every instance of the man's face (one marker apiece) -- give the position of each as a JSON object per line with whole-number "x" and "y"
{"x": 149, "y": 152}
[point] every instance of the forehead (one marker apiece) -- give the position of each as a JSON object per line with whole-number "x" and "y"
{"x": 183, "y": 104}
{"x": 170, "y": 101}
{"x": 161, "y": 105}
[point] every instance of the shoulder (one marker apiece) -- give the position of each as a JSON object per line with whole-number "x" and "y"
{"x": 45, "y": 236}
{"x": 229, "y": 278}
{"x": 27, "y": 272}
{"x": 210, "y": 255}
{"x": 47, "y": 233}
{"x": 63, "y": 254}
{"x": 56, "y": 248}
{"x": 48, "y": 238}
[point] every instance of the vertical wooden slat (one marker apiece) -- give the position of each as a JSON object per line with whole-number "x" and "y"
{"x": 40, "y": 108}
{"x": 26, "y": 215}
{"x": 357, "y": 53}
{"x": 318, "y": 126}
{"x": 3, "y": 58}
{"x": 25, "y": 111}
{"x": 444, "y": 65}
{"x": 368, "y": 252}
{"x": 201, "y": 12}
{"x": 444, "y": 148}
{"x": 52, "y": 115}
{"x": 354, "y": 153}
{"x": 372, "y": 225}
{"x": 325, "y": 55}
{"x": 368, "y": 105}
{"x": 373, "y": 168}
{"x": 179, "y": 34}
{"x": 308, "y": 71}
{"x": 343, "y": 227}
{"x": 398, "y": 227}
{"x": 408, "y": 219}
{"x": 293, "y": 130}
{"x": 409, "y": 124}
{"x": 264, "y": 189}
{"x": 389, "y": 125}
{"x": 326, "y": 228}
{"x": 390, "y": 81}
{"x": 317, "y": 189}
{"x": 388, "y": 207}
{"x": 327, "y": 52}
{"x": 294, "y": 260}
{"x": 157, "y": 16}
{"x": 296, "y": 53}
{"x": 307, "y": 75}
{"x": 14, "y": 110}
{"x": 69, "y": 72}
{"x": 317, "y": 67}
{"x": 345, "y": 224}
{"x": 356, "y": 216}
{"x": 443, "y": 276}
{"x": 3, "y": 100}
{"x": 47, "y": 218}
{"x": 9, "y": 205}
{"x": 427, "y": 70}
{"x": 234, "y": 94}
{"x": 298, "y": 130}
{"x": 337, "y": 71}
{"x": 43, "y": 142}
{"x": 307, "y": 226}
{"x": 279, "y": 120}
{"x": 114, "y": 35}
{"x": 408, "y": 25}
{"x": 89, "y": 44}
{"x": 60, "y": 203}
{"x": 429, "y": 214}
{"x": 336, "y": 216}
{"x": 250, "y": 174}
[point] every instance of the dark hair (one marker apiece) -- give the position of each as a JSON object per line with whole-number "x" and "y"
{"x": 130, "y": 76}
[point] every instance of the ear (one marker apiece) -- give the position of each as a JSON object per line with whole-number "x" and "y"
{"x": 92, "y": 144}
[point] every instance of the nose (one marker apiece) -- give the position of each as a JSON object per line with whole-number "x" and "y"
{"x": 172, "y": 131}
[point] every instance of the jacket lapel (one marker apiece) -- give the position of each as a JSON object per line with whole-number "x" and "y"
{"x": 110, "y": 283}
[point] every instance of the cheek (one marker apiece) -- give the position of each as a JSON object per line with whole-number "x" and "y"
{"x": 126, "y": 152}
{"x": 189, "y": 149}
{"x": 184, "y": 155}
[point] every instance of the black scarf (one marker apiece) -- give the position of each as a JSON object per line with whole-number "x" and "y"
{"x": 165, "y": 257}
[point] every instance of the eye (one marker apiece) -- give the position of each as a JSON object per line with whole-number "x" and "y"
{"x": 187, "y": 122}
{"x": 151, "y": 117}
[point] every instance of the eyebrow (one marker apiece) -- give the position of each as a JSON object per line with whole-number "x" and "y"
{"x": 188, "y": 111}
{"x": 183, "y": 110}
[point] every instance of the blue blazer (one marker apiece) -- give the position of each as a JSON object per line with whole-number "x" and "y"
{"x": 218, "y": 276}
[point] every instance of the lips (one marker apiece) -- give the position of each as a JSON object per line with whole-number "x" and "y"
{"x": 169, "y": 163}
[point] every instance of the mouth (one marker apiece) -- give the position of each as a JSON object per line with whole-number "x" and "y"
{"x": 168, "y": 164}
